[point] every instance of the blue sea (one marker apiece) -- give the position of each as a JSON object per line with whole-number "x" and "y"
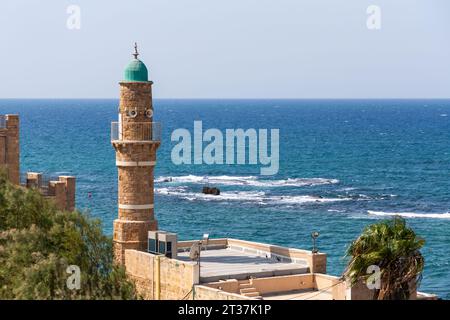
{"x": 343, "y": 165}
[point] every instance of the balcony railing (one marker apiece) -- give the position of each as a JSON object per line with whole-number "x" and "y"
{"x": 136, "y": 131}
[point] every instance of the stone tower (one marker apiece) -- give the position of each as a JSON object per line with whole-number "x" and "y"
{"x": 135, "y": 138}
{"x": 9, "y": 146}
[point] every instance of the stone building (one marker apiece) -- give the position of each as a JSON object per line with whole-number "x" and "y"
{"x": 61, "y": 190}
{"x": 9, "y": 146}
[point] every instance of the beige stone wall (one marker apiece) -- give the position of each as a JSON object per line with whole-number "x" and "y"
{"x": 269, "y": 284}
{"x": 136, "y": 186}
{"x": 140, "y": 268}
{"x": 283, "y": 283}
{"x": 208, "y": 293}
{"x": 135, "y": 96}
{"x": 335, "y": 285}
{"x": 317, "y": 261}
{"x": 176, "y": 278}
{"x": 120, "y": 247}
{"x": 279, "y": 284}
{"x": 130, "y": 235}
{"x": 10, "y": 148}
{"x": 220, "y": 243}
{"x": 230, "y": 285}
{"x": 360, "y": 291}
{"x": 70, "y": 188}
{"x": 58, "y": 190}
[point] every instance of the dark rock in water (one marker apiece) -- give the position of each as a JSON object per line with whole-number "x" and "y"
{"x": 209, "y": 190}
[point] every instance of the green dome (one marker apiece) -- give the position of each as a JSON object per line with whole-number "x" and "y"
{"x": 136, "y": 71}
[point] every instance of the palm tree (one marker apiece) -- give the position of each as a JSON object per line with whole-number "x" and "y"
{"x": 395, "y": 249}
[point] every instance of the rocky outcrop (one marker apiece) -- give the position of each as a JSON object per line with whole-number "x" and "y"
{"x": 211, "y": 190}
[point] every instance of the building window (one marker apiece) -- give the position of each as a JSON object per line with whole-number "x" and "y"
{"x": 152, "y": 245}
{"x": 162, "y": 247}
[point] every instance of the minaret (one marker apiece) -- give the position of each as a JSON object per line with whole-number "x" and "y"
{"x": 135, "y": 138}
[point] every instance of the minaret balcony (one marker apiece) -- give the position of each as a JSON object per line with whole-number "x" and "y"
{"x": 139, "y": 132}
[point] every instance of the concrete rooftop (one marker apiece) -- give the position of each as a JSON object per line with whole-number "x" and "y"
{"x": 229, "y": 263}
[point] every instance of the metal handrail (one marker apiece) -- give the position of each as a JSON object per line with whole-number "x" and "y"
{"x": 136, "y": 131}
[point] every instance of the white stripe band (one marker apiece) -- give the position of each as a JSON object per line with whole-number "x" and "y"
{"x": 135, "y": 163}
{"x": 135, "y": 206}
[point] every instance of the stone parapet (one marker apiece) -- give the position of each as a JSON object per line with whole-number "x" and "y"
{"x": 61, "y": 191}
{"x": 159, "y": 277}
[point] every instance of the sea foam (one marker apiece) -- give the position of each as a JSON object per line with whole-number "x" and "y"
{"x": 411, "y": 214}
{"x": 245, "y": 196}
{"x": 253, "y": 181}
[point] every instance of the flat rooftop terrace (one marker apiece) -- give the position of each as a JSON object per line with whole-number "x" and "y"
{"x": 222, "y": 263}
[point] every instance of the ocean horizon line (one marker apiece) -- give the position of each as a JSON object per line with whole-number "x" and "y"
{"x": 245, "y": 99}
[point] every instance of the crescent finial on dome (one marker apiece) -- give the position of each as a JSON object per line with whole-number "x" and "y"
{"x": 136, "y": 53}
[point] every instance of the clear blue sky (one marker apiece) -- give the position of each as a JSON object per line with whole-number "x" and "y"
{"x": 227, "y": 48}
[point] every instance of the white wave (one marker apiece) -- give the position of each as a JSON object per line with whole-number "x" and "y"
{"x": 347, "y": 189}
{"x": 298, "y": 182}
{"x": 305, "y": 199}
{"x": 412, "y": 214}
{"x": 171, "y": 190}
{"x": 247, "y": 181}
{"x": 233, "y": 196}
{"x": 224, "y": 180}
{"x": 224, "y": 196}
{"x": 245, "y": 196}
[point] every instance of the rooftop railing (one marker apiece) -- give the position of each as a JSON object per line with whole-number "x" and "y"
{"x": 136, "y": 131}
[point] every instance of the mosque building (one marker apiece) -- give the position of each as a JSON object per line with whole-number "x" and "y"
{"x": 163, "y": 267}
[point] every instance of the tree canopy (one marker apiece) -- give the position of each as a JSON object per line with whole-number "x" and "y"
{"x": 38, "y": 243}
{"x": 393, "y": 247}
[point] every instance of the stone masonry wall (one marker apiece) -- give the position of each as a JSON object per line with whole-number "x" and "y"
{"x": 207, "y": 293}
{"x": 135, "y": 160}
{"x": 61, "y": 191}
{"x": 176, "y": 278}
